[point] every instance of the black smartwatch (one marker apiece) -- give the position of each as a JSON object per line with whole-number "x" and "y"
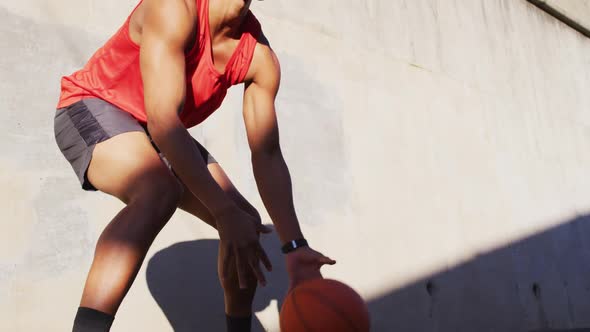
{"x": 293, "y": 245}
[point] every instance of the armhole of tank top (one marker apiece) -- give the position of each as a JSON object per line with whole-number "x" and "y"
{"x": 137, "y": 46}
{"x": 127, "y": 26}
{"x": 255, "y": 34}
{"x": 134, "y": 9}
{"x": 197, "y": 39}
{"x": 254, "y": 27}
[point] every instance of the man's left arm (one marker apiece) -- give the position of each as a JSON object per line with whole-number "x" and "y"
{"x": 270, "y": 170}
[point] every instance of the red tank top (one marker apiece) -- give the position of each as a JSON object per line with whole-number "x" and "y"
{"x": 113, "y": 73}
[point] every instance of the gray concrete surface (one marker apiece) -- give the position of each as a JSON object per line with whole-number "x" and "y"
{"x": 439, "y": 151}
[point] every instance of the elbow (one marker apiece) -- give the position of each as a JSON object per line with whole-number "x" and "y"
{"x": 162, "y": 118}
{"x": 156, "y": 129}
{"x": 161, "y": 126}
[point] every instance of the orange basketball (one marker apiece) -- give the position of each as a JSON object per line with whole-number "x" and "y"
{"x": 324, "y": 305}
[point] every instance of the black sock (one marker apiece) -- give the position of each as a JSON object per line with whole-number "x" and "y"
{"x": 91, "y": 320}
{"x": 238, "y": 324}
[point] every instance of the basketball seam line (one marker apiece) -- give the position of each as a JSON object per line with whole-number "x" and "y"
{"x": 329, "y": 304}
{"x": 307, "y": 329}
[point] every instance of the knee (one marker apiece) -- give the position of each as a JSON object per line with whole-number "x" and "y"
{"x": 160, "y": 196}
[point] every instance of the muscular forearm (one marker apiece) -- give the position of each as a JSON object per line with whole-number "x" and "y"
{"x": 274, "y": 184}
{"x": 175, "y": 142}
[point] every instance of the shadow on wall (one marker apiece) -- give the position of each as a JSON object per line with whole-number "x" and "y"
{"x": 183, "y": 280}
{"x": 540, "y": 283}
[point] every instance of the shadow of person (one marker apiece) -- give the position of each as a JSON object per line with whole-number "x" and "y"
{"x": 182, "y": 278}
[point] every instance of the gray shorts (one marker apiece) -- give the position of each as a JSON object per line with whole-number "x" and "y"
{"x": 82, "y": 125}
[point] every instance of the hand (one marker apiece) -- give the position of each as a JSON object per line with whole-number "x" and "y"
{"x": 238, "y": 232}
{"x": 304, "y": 264}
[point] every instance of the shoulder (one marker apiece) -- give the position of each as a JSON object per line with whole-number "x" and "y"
{"x": 170, "y": 19}
{"x": 265, "y": 66}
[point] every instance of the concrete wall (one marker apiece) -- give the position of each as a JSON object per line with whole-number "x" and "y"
{"x": 575, "y": 13}
{"x": 438, "y": 149}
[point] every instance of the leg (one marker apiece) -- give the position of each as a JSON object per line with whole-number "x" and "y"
{"x": 238, "y": 302}
{"x": 127, "y": 167}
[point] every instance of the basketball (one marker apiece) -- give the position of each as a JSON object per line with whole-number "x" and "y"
{"x": 324, "y": 305}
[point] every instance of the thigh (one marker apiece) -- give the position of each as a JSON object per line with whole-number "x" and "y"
{"x": 108, "y": 149}
{"x": 127, "y": 165}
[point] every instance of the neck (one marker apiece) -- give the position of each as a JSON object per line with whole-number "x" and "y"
{"x": 226, "y": 17}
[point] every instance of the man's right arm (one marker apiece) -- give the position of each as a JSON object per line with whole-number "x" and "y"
{"x": 167, "y": 28}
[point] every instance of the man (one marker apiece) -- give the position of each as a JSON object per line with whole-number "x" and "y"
{"x": 122, "y": 123}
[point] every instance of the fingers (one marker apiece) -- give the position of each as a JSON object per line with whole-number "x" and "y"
{"x": 326, "y": 260}
{"x": 241, "y": 269}
{"x": 226, "y": 261}
{"x": 247, "y": 262}
{"x": 262, "y": 255}
{"x": 255, "y": 266}
{"x": 318, "y": 258}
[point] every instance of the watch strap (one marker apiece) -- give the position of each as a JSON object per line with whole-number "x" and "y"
{"x": 293, "y": 245}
